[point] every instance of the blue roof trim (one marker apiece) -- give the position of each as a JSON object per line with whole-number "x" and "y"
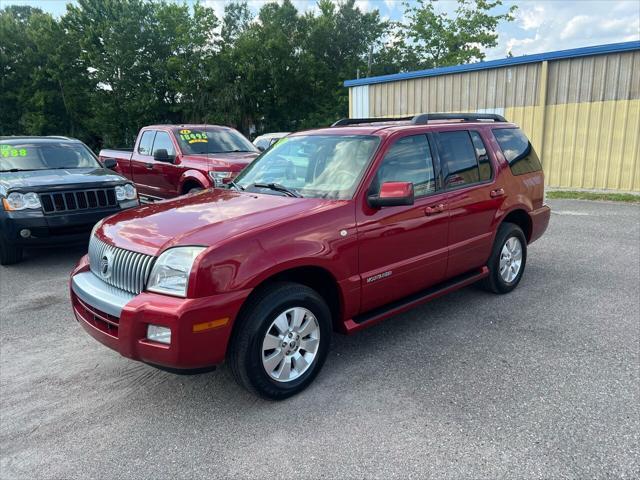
{"x": 470, "y": 67}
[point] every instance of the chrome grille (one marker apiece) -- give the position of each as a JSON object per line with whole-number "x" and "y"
{"x": 127, "y": 270}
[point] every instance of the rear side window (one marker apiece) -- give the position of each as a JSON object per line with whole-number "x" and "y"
{"x": 518, "y": 150}
{"x": 484, "y": 164}
{"x": 409, "y": 160}
{"x": 458, "y": 158}
{"x": 146, "y": 142}
{"x": 163, "y": 141}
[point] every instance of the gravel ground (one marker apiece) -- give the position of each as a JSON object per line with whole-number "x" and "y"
{"x": 541, "y": 383}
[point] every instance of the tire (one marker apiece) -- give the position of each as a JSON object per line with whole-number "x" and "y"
{"x": 252, "y": 360}
{"x": 194, "y": 190}
{"x": 497, "y": 282}
{"x": 9, "y": 254}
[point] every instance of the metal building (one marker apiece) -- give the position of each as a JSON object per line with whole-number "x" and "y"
{"x": 580, "y": 107}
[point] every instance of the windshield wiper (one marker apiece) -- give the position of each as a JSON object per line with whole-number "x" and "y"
{"x": 14, "y": 170}
{"x": 235, "y": 185}
{"x": 276, "y": 187}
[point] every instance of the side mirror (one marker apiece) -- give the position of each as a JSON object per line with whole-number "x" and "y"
{"x": 392, "y": 194}
{"x": 161, "y": 155}
{"x": 110, "y": 163}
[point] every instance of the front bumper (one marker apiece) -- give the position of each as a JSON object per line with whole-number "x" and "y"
{"x": 199, "y": 332}
{"x": 52, "y": 229}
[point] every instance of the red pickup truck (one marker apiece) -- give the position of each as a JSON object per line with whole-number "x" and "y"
{"x": 170, "y": 160}
{"x": 331, "y": 229}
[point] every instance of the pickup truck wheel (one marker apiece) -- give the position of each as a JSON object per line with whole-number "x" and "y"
{"x": 508, "y": 259}
{"x": 9, "y": 254}
{"x": 281, "y": 341}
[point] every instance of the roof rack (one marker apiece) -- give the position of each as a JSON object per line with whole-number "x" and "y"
{"x": 424, "y": 118}
{"x": 356, "y": 121}
{"x": 35, "y": 137}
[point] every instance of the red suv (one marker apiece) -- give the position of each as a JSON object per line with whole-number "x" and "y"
{"x": 329, "y": 230}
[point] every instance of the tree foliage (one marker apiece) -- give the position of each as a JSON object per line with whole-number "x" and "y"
{"x": 107, "y": 67}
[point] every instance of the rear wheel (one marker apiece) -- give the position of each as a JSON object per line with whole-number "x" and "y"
{"x": 281, "y": 340}
{"x": 9, "y": 254}
{"x": 508, "y": 259}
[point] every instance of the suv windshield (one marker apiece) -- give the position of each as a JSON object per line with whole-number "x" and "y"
{"x": 198, "y": 141}
{"x": 325, "y": 166}
{"x": 45, "y": 156}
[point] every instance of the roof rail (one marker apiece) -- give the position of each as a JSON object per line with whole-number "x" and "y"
{"x": 35, "y": 137}
{"x": 423, "y": 118}
{"x": 357, "y": 121}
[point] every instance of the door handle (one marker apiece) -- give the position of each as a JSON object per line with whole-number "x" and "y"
{"x": 433, "y": 209}
{"x": 498, "y": 192}
{"x": 150, "y": 166}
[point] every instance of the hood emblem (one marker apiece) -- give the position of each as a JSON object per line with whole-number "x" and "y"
{"x": 106, "y": 265}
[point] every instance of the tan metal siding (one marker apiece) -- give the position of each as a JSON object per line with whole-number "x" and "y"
{"x": 595, "y": 79}
{"x": 582, "y": 114}
{"x": 485, "y": 89}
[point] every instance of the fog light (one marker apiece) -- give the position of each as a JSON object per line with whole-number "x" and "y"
{"x": 159, "y": 334}
{"x": 25, "y": 233}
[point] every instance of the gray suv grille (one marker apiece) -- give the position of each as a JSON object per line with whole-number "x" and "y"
{"x": 118, "y": 267}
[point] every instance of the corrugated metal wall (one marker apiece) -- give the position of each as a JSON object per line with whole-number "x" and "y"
{"x": 582, "y": 114}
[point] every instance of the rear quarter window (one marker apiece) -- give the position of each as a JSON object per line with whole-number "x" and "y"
{"x": 518, "y": 151}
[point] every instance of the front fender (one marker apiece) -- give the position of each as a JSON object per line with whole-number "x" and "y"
{"x": 191, "y": 176}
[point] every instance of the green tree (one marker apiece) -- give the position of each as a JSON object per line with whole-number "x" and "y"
{"x": 433, "y": 39}
{"x": 43, "y": 90}
{"x": 338, "y": 44}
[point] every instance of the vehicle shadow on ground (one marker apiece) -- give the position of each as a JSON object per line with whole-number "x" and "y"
{"x": 35, "y": 258}
{"x": 357, "y": 365}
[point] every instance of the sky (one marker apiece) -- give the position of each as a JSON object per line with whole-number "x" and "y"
{"x": 540, "y": 25}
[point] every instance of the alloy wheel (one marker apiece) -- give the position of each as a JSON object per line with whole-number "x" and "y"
{"x": 290, "y": 344}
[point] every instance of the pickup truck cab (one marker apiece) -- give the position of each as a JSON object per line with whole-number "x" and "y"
{"x": 333, "y": 229}
{"x": 52, "y": 192}
{"x": 169, "y": 160}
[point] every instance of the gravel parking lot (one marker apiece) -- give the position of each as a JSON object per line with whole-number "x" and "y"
{"x": 541, "y": 383}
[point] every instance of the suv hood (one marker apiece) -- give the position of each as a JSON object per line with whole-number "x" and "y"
{"x": 47, "y": 180}
{"x": 234, "y": 161}
{"x": 205, "y": 218}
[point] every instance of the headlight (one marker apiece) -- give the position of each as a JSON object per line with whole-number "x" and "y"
{"x": 21, "y": 201}
{"x": 220, "y": 177}
{"x": 130, "y": 192}
{"x": 126, "y": 192}
{"x": 170, "y": 273}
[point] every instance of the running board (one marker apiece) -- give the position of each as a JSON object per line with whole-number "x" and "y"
{"x": 379, "y": 314}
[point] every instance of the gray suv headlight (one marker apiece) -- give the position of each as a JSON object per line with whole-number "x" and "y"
{"x": 126, "y": 192}
{"x": 21, "y": 201}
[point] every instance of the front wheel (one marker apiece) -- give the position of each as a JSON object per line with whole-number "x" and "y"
{"x": 9, "y": 254}
{"x": 281, "y": 340}
{"x": 508, "y": 259}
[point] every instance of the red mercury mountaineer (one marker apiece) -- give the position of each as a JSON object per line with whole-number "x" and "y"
{"x": 170, "y": 160}
{"x": 330, "y": 230}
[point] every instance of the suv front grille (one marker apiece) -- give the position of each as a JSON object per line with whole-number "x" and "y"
{"x": 54, "y": 202}
{"x": 118, "y": 267}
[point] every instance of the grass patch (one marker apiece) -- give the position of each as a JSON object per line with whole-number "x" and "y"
{"x": 611, "y": 197}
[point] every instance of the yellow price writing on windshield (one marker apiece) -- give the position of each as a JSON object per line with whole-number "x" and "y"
{"x": 7, "y": 151}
